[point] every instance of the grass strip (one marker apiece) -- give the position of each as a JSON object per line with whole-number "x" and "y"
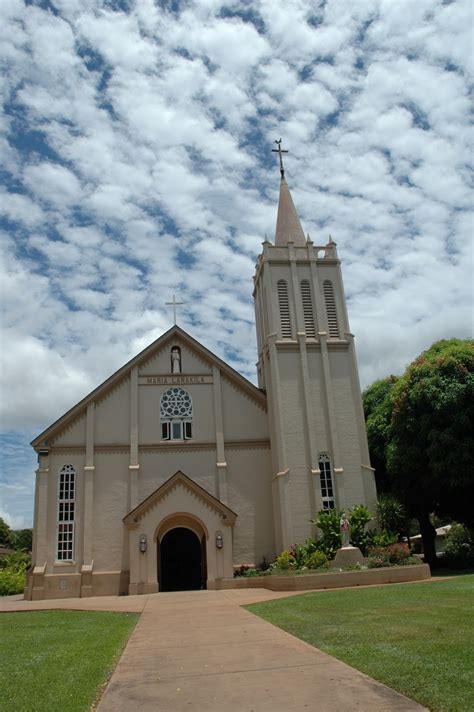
{"x": 416, "y": 638}
{"x": 58, "y": 660}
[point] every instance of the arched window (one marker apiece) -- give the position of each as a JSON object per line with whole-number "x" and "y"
{"x": 66, "y": 512}
{"x": 176, "y": 412}
{"x": 327, "y": 489}
{"x": 331, "y": 309}
{"x": 284, "y": 305}
{"x": 308, "y": 313}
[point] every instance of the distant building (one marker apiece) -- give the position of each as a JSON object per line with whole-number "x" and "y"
{"x": 177, "y": 469}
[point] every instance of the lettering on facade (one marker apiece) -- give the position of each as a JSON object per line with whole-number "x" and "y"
{"x": 173, "y": 380}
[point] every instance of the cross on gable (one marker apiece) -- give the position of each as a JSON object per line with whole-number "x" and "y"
{"x": 174, "y": 304}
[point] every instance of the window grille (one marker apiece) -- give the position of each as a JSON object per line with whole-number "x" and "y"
{"x": 331, "y": 309}
{"x": 66, "y": 513}
{"x": 284, "y": 305}
{"x": 308, "y": 313}
{"x": 176, "y": 411}
{"x": 327, "y": 489}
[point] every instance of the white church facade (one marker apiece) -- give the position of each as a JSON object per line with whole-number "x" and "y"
{"x": 176, "y": 470}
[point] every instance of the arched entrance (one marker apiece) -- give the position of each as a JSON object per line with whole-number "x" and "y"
{"x": 181, "y": 561}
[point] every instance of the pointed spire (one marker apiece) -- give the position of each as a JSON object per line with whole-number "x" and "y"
{"x": 288, "y": 227}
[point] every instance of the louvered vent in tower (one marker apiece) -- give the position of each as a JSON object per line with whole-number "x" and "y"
{"x": 284, "y": 309}
{"x": 307, "y": 309}
{"x": 331, "y": 309}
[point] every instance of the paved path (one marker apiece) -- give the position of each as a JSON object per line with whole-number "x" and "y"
{"x": 199, "y": 651}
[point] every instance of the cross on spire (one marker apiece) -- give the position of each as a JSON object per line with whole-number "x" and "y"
{"x": 174, "y": 304}
{"x": 280, "y": 150}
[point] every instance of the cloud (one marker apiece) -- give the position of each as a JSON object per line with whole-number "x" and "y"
{"x": 136, "y": 161}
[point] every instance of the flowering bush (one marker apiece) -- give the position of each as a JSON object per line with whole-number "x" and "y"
{"x": 391, "y": 555}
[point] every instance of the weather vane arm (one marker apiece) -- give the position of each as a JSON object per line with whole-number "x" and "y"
{"x": 280, "y": 151}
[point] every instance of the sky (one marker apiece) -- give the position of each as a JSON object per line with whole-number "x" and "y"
{"x": 136, "y": 163}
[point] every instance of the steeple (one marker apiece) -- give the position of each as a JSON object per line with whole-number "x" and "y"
{"x": 288, "y": 227}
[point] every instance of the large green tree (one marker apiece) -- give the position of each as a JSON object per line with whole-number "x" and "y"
{"x": 6, "y": 534}
{"x": 378, "y": 406}
{"x": 23, "y": 539}
{"x": 420, "y": 426}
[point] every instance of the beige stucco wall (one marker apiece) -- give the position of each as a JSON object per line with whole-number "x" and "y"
{"x": 111, "y": 504}
{"x": 243, "y": 418}
{"x": 112, "y": 416}
{"x": 250, "y": 495}
{"x": 73, "y": 434}
{"x": 156, "y": 467}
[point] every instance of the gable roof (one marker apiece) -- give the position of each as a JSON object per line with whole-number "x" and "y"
{"x": 175, "y": 331}
{"x": 179, "y": 478}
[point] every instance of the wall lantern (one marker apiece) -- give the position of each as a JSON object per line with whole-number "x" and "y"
{"x": 219, "y": 540}
{"x": 143, "y": 543}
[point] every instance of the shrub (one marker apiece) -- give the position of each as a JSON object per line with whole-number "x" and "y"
{"x": 298, "y": 552}
{"x": 11, "y": 582}
{"x": 13, "y": 570}
{"x": 285, "y": 561}
{"x": 392, "y": 555}
{"x": 251, "y": 572}
{"x": 316, "y": 560}
{"x": 459, "y": 547}
{"x": 382, "y": 538}
{"x": 328, "y": 521}
{"x": 359, "y": 516}
{"x": 241, "y": 571}
{"x": 391, "y": 515}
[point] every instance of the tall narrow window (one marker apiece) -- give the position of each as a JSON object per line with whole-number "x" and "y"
{"x": 176, "y": 411}
{"x": 66, "y": 512}
{"x": 284, "y": 309}
{"x": 327, "y": 489}
{"x": 308, "y": 313}
{"x": 331, "y": 309}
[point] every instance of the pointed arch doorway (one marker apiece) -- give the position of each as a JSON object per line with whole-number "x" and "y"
{"x": 181, "y": 554}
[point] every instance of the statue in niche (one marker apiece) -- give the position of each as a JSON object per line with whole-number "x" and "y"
{"x": 345, "y": 530}
{"x": 175, "y": 360}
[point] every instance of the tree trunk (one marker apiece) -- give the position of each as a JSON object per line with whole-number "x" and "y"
{"x": 428, "y": 536}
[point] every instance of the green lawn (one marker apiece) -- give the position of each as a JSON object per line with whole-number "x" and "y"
{"x": 57, "y": 660}
{"x": 416, "y": 638}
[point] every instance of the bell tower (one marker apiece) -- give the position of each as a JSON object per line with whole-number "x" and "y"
{"x": 307, "y": 365}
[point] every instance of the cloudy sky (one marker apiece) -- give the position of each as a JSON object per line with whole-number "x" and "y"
{"x": 136, "y": 160}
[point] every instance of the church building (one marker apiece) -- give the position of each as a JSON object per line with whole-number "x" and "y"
{"x": 177, "y": 469}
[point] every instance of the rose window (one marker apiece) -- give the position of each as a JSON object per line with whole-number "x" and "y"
{"x": 176, "y": 403}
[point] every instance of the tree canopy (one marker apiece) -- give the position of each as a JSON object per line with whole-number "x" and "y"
{"x": 20, "y": 540}
{"x": 6, "y": 534}
{"x": 378, "y": 406}
{"x": 420, "y": 430}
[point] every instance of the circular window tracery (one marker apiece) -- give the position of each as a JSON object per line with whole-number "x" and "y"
{"x": 176, "y": 403}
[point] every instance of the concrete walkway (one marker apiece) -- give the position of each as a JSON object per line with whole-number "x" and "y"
{"x": 200, "y": 651}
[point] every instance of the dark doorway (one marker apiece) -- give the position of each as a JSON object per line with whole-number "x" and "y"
{"x": 181, "y": 563}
